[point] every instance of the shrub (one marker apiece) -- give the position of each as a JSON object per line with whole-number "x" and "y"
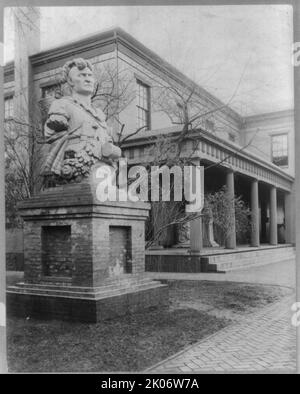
{"x": 219, "y": 205}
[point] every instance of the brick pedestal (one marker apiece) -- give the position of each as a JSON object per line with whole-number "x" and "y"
{"x": 84, "y": 260}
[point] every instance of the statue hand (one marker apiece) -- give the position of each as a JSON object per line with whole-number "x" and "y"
{"x": 111, "y": 151}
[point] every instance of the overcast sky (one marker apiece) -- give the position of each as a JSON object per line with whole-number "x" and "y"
{"x": 233, "y": 51}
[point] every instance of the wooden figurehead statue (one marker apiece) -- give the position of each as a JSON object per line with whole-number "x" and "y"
{"x": 76, "y": 131}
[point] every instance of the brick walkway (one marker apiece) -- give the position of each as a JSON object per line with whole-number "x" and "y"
{"x": 263, "y": 341}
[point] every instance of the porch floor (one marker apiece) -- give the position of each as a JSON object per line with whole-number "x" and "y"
{"x": 216, "y": 259}
{"x": 212, "y": 251}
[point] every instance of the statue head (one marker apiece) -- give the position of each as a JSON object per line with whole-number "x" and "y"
{"x": 78, "y": 73}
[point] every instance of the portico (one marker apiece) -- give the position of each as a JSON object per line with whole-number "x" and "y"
{"x": 266, "y": 188}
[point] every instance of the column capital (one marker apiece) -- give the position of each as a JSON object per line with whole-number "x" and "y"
{"x": 230, "y": 170}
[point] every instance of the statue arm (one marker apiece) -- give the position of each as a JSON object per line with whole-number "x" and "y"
{"x": 57, "y": 122}
{"x": 58, "y": 118}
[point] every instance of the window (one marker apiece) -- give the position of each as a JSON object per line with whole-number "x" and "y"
{"x": 280, "y": 150}
{"x": 143, "y": 105}
{"x": 50, "y": 91}
{"x": 8, "y": 107}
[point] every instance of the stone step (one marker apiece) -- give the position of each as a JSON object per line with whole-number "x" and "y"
{"x": 97, "y": 293}
{"x": 230, "y": 262}
{"x": 67, "y": 287}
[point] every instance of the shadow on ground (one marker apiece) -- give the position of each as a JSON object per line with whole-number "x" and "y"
{"x": 134, "y": 342}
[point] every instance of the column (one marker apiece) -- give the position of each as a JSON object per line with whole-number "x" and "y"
{"x": 264, "y": 220}
{"x": 26, "y": 43}
{"x": 289, "y": 218}
{"x": 231, "y": 238}
{"x": 273, "y": 216}
{"x": 196, "y": 235}
{"x": 254, "y": 214}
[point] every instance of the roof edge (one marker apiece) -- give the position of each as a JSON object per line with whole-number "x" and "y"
{"x": 270, "y": 115}
{"x": 117, "y": 34}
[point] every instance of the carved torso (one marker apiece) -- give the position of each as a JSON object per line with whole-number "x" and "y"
{"x": 77, "y": 135}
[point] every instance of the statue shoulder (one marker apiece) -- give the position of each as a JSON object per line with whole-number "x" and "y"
{"x": 58, "y": 116}
{"x": 60, "y": 106}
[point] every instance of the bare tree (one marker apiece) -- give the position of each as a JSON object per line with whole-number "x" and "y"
{"x": 23, "y": 158}
{"x": 114, "y": 89}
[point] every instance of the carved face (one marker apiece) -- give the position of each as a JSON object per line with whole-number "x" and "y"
{"x": 82, "y": 81}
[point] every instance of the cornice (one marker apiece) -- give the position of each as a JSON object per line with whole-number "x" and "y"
{"x": 289, "y": 113}
{"x": 119, "y": 36}
{"x": 64, "y": 51}
{"x": 147, "y": 138}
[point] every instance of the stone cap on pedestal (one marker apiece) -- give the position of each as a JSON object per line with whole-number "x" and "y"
{"x": 78, "y": 198}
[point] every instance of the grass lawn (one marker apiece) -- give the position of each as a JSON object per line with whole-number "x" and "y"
{"x": 135, "y": 342}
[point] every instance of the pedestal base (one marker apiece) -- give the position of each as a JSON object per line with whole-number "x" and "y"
{"x": 84, "y": 259}
{"x": 89, "y": 305}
